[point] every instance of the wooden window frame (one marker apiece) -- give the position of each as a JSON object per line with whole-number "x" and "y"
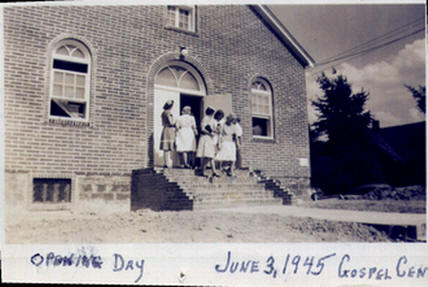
{"x": 255, "y": 114}
{"x": 87, "y": 77}
{"x": 189, "y": 69}
{"x": 191, "y": 27}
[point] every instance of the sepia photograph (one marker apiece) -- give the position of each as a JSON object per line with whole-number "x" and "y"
{"x": 214, "y": 123}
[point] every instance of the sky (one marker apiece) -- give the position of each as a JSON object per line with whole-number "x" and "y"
{"x": 325, "y": 31}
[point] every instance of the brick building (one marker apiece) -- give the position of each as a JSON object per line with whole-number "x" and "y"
{"x": 84, "y": 86}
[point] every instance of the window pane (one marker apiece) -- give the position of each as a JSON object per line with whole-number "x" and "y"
{"x": 69, "y": 92}
{"x": 80, "y": 80}
{"x": 62, "y": 51}
{"x": 260, "y": 104}
{"x": 171, "y": 16}
{"x": 57, "y": 90}
{"x": 189, "y": 82}
{"x": 265, "y": 109}
{"x": 70, "y": 66}
{"x": 78, "y": 54}
{"x": 69, "y": 79}
{"x": 59, "y": 108}
{"x": 184, "y": 19}
{"x": 68, "y": 109}
{"x": 253, "y": 106}
{"x": 58, "y": 77}
{"x": 75, "y": 110}
{"x": 262, "y": 87}
{"x": 254, "y": 103}
{"x": 80, "y": 93}
{"x": 261, "y": 127}
{"x": 71, "y": 47}
{"x": 166, "y": 78}
{"x": 259, "y": 99}
{"x": 178, "y": 71}
{"x": 51, "y": 190}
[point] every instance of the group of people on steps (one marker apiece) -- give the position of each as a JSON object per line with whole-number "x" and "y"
{"x": 219, "y": 142}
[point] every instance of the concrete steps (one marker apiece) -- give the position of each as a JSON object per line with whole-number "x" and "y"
{"x": 244, "y": 189}
{"x": 233, "y": 203}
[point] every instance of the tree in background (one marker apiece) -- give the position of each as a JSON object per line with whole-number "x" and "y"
{"x": 342, "y": 161}
{"x": 342, "y": 115}
{"x": 419, "y": 95}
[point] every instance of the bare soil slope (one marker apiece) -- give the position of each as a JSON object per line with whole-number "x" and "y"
{"x": 146, "y": 226}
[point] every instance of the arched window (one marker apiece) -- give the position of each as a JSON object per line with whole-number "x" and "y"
{"x": 70, "y": 81}
{"x": 261, "y": 109}
{"x": 180, "y": 76}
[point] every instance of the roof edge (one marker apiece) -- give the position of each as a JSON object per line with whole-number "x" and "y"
{"x": 284, "y": 35}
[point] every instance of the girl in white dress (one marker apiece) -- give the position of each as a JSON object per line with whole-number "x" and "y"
{"x": 219, "y": 122}
{"x": 206, "y": 146}
{"x": 227, "y": 151}
{"x": 186, "y": 135}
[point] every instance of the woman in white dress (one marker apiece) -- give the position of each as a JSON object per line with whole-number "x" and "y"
{"x": 206, "y": 146}
{"x": 219, "y": 122}
{"x": 186, "y": 135}
{"x": 227, "y": 145}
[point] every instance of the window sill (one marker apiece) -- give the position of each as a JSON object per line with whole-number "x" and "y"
{"x": 38, "y": 206}
{"x": 69, "y": 122}
{"x": 188, "y": 32}
{"x": 263, "y": 139}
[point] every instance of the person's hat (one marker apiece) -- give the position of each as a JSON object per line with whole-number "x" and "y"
{"x": 186, "y": 110}
{"x": 231, "y": 117}
{"x": 168, "y": 104}
{"x": 219, "y": 114}
{"x": 209, "y": 110}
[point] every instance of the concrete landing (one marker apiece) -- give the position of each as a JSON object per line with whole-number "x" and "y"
{"x": 413, "y": 223}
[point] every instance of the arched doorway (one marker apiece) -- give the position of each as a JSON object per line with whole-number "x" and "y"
{"x": 182, "y": 83}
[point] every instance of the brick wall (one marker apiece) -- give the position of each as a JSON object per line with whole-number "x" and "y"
{"x": 231, "y": 47}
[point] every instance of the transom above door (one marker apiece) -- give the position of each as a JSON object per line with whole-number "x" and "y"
{"x": 181, "y": 77}
{"x": 182, "y": 83}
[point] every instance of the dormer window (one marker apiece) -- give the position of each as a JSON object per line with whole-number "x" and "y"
{"x": 181, "y": 17}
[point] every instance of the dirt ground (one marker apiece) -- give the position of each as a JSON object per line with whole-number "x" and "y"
{"x": 146, "y": 226}
{"x": 385, "y": 205}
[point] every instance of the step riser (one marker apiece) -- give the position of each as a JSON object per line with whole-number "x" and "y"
{"x": 244, "y": 189}
{"x": 204, "y": 181}
{"x": 216, "y": 205}
{"x": 182, "y": 189}
{"x": 230, "y": 195}
{"x": 226, "y": 197}
{"x": 225, "y": 190}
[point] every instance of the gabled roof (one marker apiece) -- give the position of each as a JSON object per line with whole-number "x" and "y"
{"x": 284, "y": 35}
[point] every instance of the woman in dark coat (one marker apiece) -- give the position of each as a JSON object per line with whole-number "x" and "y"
{"x": 168, "y": 133}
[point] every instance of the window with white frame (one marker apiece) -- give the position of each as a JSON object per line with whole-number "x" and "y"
{"x": 261, "y": 109}
{"x": 70, "y": 81}
{"x": 182, "y": 17}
